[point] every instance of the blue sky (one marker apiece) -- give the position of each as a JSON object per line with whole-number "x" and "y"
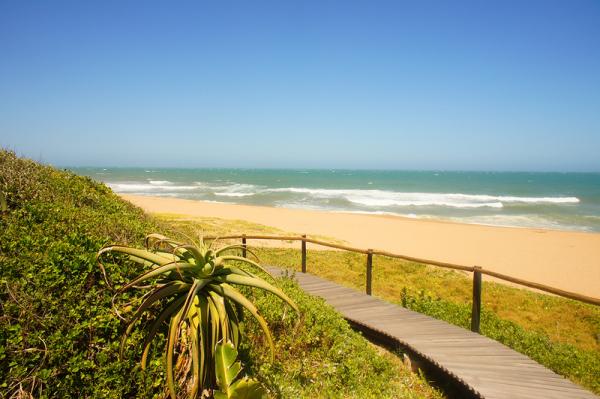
{"x": 376, "y": 84}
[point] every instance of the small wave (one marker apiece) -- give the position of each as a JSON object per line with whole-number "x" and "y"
{"x": 160, "y": 182}
{"x": 539, "y": 200}
{"x": 234, "y": 194}
{"x": 527, "y": 221}
{"x": 370, "y": 201}
{"x": 370, "y": 213}
{"x": 147, "y": 187}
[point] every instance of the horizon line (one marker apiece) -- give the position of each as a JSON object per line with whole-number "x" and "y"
{"x": 328, "y": 169}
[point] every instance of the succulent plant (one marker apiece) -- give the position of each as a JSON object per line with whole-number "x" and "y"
{"x": 190, "y": 293}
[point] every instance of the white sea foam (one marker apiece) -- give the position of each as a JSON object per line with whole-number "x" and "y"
{"x": 382, "y": 198}
{"x": 148, "y": 187}
{"x": 528, "y": 221}
{"x": 234, "y": 194}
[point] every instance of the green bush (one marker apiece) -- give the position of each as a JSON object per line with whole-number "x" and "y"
{"x": 56, "y": 327}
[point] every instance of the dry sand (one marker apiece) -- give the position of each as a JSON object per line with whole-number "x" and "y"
{"x": 561, "y": 259}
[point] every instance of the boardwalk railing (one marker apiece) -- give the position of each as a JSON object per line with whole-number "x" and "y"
{"x": 476, "y": 270}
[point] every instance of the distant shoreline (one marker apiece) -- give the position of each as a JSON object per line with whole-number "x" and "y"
{"x": 569, "y": 260}
{"x": 549, "y": 201}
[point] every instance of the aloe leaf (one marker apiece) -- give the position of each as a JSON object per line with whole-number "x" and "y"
{"x": 227, "y": 367}
{"x": 166, "y": 290}
{"x": 233, "y": 294}
{"x": 140, "y": 253}
{"x": 215, "y": 325}
{"x": 202, "y": 308}
{"x": 195, "y": 361}
{"x": 196, "y": 286}
{"x": 178, "y": 265}
{"x": 235, "y": 246}
{"x": 247, "y": 388}
{"x": 194, "y": 338}
{"x": 158, "y": 294}
{"x": 153, "y": 239}
{"x": 258, "y": 283}
{"x": 145, "y": 263}
{"x": 219, "y": 303}
{"x": 233, "y": 270}
{"x": 164, "y": 315}
{"x": 173, "y": 333}
{"x": 184, "y": 254}
{"x": 200, "y": 259}
{"x": 234, "y": 323}
{"x": 245, "y": 260}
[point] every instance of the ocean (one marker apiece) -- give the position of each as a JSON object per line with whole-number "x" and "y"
{"x": 564, "y": 201}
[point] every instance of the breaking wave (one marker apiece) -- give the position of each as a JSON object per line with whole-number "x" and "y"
{"x": 381, "y": 198}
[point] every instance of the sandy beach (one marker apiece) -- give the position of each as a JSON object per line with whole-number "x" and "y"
{"x": 562, "y": 259}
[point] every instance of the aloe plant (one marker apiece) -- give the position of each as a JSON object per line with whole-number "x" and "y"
{"x": 190, "y": 289}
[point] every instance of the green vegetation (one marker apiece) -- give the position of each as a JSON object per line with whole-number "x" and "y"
{"x": 59, "y": 337}
{"x": 3, "y": 206}
{"x": 191, "y": 291}
{"x": 562, "y": 334}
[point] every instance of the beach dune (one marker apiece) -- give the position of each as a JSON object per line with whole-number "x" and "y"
{"x": 562, "y": 259}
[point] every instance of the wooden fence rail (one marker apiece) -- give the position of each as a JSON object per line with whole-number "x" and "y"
{"x": 476, "y": 270}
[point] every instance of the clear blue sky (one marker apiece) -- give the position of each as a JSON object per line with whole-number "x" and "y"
{"x": 375, "y": 84}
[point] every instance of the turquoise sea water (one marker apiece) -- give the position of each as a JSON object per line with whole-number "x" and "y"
{"x": 568, "y": 201}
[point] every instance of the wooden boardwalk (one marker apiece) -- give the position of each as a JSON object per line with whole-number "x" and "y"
{"x": 483, "y": 366}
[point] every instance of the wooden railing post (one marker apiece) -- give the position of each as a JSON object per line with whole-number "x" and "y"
{"x": 476, "y": 311}
{"x": 369, "y": 270}
{"x": 244, "y": 245}
{"x": 303, "y": 253}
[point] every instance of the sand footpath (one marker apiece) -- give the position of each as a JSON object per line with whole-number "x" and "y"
{"x": 562, "y": 259}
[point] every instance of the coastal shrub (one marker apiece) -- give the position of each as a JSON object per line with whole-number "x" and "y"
{"x": 60, "y": 339}
{"x": 191, "y": 293}
{"x": 55, "y": 323}
{"x": 3, "y": 206}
